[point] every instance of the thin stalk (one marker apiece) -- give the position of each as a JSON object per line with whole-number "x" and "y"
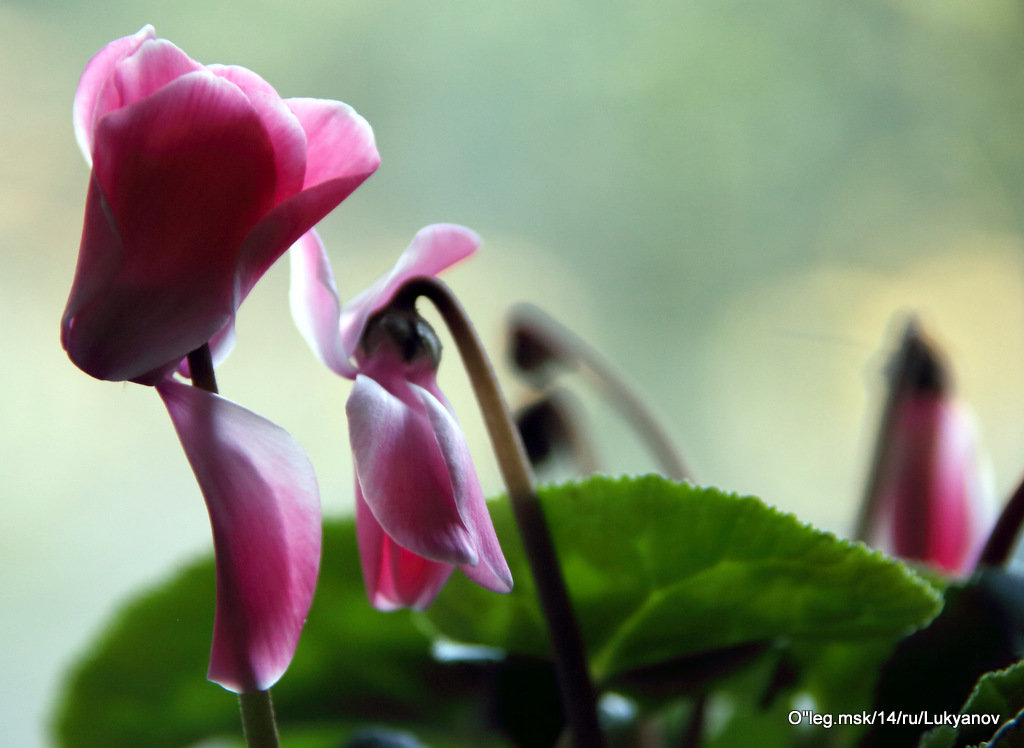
{"x": 258, "y": 719}
{"x": 256, "y": 706}
{"x": 1000, "y": 543}
{"x": 563, "y": 344}
{"x": 200, "y": 366}
{"x": 694, "y": 732}
{"x": 577, "y": 691}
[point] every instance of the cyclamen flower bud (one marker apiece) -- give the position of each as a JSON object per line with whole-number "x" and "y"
{"x": 927, "y": 500}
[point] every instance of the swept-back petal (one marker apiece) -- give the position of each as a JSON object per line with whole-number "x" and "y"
{"x": 185, "y": 174}
{"x": 492, "y": 571}
{"x": 403, "y": 476}
{"x": 282, "y": 126}
{"x": 95, "y": 75}
{"x": 433, "y": 249}
{"x": 314, "y": 302}
{"x": 340, "y": 141}
{"x": 264, "y": 508}
{"x": 395, "y": 577}
{"x": 341, "y": 154}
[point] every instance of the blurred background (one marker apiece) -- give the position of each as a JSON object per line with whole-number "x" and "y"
{"x": 730, "y": 200}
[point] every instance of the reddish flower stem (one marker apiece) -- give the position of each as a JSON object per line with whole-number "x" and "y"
{"x": 256, "y": 706}
{"x": 200, "y": 367}
{"x": 578, "y": 696}
{"x": 1000, "y": 543}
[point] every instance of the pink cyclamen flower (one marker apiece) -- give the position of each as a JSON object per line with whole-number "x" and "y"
{"x": 202, "y": 176}
{"x": 420, "y": 510}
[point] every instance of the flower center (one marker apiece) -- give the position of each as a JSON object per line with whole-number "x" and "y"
{"x": 402, "y": 333}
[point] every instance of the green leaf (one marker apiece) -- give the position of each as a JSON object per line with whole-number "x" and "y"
{"x": 144, "y": 682}
{"x": 659, "y": 570}
{"x": 999, "y": 693}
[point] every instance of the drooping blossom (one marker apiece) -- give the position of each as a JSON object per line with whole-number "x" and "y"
{"x": 420, "y": 511}
{"x": 202, "y": 176}
{"x": 931, "y": 502}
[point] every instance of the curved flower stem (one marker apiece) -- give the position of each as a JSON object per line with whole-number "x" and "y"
{"x": 578, "y": 694}
{"x": 571, "y": 350}
{"x": 1004, "y": 535}
{"x": 256, "y": 706}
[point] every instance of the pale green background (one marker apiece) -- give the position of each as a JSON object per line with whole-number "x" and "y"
{"x": 729, "y": 198}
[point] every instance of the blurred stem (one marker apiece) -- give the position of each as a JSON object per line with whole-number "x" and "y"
{"x": 553, "y": 420}
{"x": 571, "y": 350}
{"x": 256, "y": 707}
{"x": 694, "y": 732}
{"x": 578, "y": 695}
{"x": 1000, "y": 543}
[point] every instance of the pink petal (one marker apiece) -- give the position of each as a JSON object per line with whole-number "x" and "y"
{"x": 395, "y": 578}
{"x": 492, "y": 572}
{"x": 403, "y": 476}
{"x": 264, "y": 508}
{"x": 340, "y": 142}
{"x": 932, "y": 493}
{"x": 152, "y": 66}
{"x": 433, "y": 249}
{"x": 185, "y": 174}
{"x": 282, "y": 126}
{"x": 96, "y": 73}
{"x": 314, "y": 302}
{"x": 341, "y": 154}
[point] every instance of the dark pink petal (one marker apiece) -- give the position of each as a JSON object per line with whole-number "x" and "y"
{"x": 94, "y": 77}
{"x": 932, "y": 492}
{"x": 395, "y": 578}
{"x": 154, "y": 64}
{"x": 98, "y": 261}
{"x": 282, "y": 126}
{"x": 403, "y": 476}
{"x": 184, "y": 174}
{"x": 264, "y": 508}
{"x": 492, "y": 571}
{"x": 341, "y": 154}
{"x": 314, "y": 302}
{"x": 433, "y": 249}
